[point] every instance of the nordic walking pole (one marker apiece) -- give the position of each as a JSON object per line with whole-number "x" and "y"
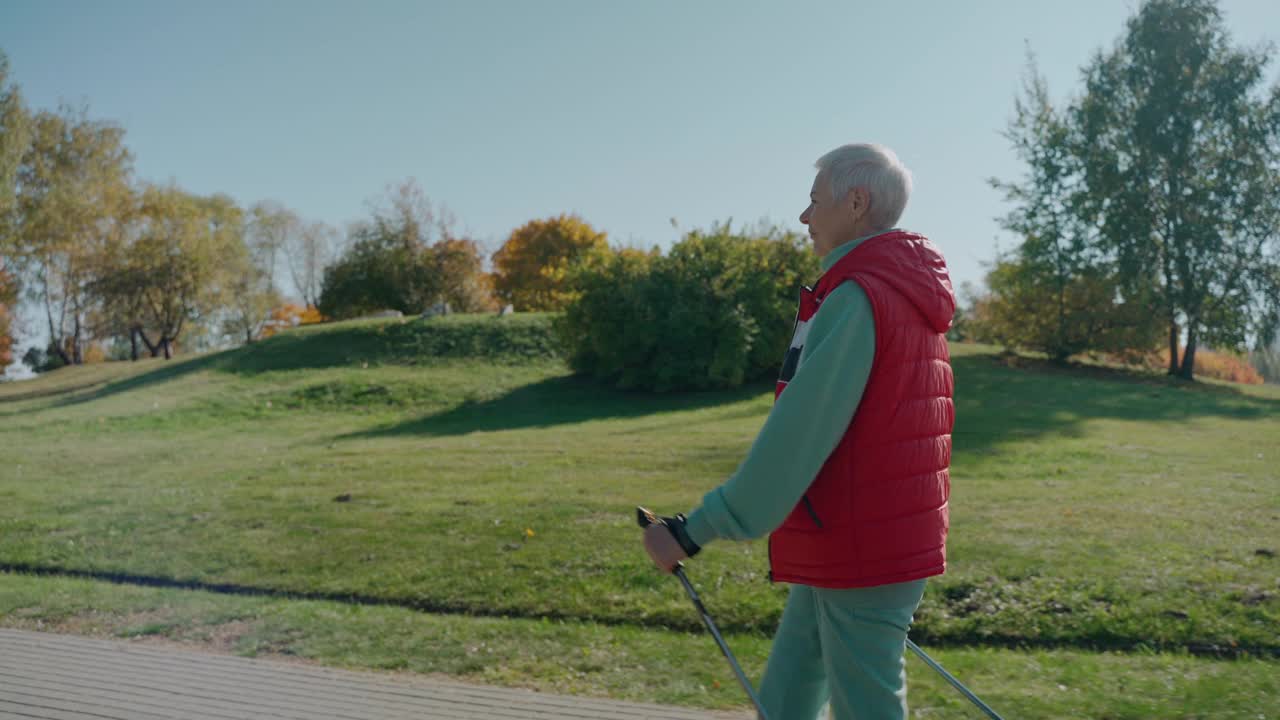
{"x": 954, "y": 682}
{"x": 644, "y": 518}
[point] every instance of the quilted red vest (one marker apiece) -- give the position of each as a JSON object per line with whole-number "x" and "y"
{"x": 877, "y": 511}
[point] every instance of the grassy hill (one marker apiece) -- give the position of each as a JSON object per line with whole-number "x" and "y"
{"x": 424, "y": 466}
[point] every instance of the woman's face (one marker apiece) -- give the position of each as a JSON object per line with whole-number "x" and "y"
{"x": 833, "y": 222}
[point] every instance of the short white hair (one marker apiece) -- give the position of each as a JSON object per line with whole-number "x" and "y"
{"x": 874, "y": 167}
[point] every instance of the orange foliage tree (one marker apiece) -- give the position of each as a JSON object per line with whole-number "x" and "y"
{"x": 530, "y": 270}
{"x": 290, "y": 315}
{"x": 1216, "y": 364}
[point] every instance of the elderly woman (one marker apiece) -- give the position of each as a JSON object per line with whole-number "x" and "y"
{"x": 849, "y": 475}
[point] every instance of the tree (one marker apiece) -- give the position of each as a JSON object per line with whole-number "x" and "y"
{"x": 275, "y": 230}
{"x": 308, "y": 252}
{"x": 1181, "y": 163}
{"x": 73, "y": 186}
{"x": 406, "y": 258}
{"x": 369, "y": 277}
{"x": 119, "y": 282}
{"x": 1058, "y": 292}
{"x": 272, "y": 229}
{"x": 531, "y": 267}
{"x": 251, "y": 301}
{"x": 15, "y": 137}
{"x": 187, "y": 254}
{"x": 459, "y": 263}
{"x": 1029, "y": 308}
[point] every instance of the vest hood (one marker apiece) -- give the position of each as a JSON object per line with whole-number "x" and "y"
{"x": 914, "y": 266}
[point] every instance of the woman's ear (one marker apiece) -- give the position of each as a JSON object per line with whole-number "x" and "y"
{"x": 859, "y": 202}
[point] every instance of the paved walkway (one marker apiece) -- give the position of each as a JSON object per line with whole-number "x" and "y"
{"x": 62, "y": 677}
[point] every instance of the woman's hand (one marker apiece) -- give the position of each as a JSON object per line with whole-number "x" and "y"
{"x": 663, "y": 549}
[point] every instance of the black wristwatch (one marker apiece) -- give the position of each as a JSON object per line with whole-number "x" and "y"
{"x": 675, "y": 525}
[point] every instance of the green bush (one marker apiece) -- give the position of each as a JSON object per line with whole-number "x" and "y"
{"x": 393, "y": 265}
{"x": 715, "y": 312}
{"x": 523, "y": 336}
{"x": 42, "y": 361}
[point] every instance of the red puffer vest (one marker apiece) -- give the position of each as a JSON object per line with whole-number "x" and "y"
{"x": 877, "y": 511}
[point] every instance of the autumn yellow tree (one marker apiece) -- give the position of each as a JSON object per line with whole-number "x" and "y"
{"x": 15, "y": 136}
{"x": 187, "y": 253}
{"x": 530, "y": 270}
{"x": 73, "y": 187}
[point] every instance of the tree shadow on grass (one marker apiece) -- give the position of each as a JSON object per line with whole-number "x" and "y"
{"x": 560, "y": 401}
{"x": 79, "y": 393}
{"x": 309, "y": 349}
{"x": 1009, "y": 397}
{"x": 51, "y": 391}
{"x": 171, "y": 370}
{"x": 999, "y": 398}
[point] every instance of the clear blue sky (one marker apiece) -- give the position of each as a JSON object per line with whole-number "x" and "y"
{"x": 627, "y": 113}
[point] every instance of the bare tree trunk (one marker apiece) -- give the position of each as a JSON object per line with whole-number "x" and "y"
{"x": 57, "y": 344}
{"x": 62, "y": 353}
{"x": 133, "y": 344}
{"x": 1189, "y": 357}
{"x": 1061, "y": 353}
{"x": 1170, "y": 307}
{"x": 153, "y": 349}
{"x": 168, "y": 352}
{"x": 76, "y": 352}
{"x": 55, "y": 337}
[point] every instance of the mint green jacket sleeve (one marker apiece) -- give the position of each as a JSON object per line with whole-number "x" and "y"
{"x": 803, "y": 428}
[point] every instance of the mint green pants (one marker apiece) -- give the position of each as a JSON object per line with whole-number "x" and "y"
{"x": 845, "y": 646}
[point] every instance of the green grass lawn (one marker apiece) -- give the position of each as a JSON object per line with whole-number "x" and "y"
{"x": 1092, "y": 510}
